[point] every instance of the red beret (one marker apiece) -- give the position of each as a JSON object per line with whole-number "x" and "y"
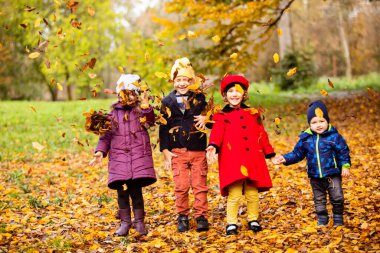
{"x": 232, "y": 80}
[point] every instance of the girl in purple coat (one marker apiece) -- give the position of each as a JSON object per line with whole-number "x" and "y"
{"x": 130, "y": 165}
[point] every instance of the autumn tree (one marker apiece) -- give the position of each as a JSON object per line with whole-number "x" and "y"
{"x": 229, "y": 33}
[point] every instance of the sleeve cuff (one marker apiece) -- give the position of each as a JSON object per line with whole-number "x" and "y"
{"x": 268, "y": 156}
{"x": 216, "y": 147}
{"x": 346, "y": 166}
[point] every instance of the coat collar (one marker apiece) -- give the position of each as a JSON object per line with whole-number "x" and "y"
{"x": 227, "y": 107}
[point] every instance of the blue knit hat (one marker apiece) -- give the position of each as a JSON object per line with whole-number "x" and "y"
{"x": 317, "y": 109}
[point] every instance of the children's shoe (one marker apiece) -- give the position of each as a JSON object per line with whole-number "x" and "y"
{"x": 202, "y": 224}
{"x": 231, "y": 229}
{"x": 254, "y": 226}
{"x": 183, "y": 223}
{"x": 338, "y": 220}
{"x": 323, "y": 220}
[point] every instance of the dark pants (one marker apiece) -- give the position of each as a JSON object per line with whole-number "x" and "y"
{"x": 134, "y": 192}
{"x": 332, "y": 186}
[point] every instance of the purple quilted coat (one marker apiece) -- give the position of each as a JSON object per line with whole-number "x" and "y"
{"x": 128, "y": 147}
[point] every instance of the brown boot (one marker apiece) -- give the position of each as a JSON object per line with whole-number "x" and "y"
{"x": 126, "y": 222}
{"x": 139, "y": 221}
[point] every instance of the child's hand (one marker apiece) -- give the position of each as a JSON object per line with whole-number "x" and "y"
{"x": 278, "y": 159}
{"x": 168, "y": 158}
{"x": 346, "y": 172}
{"x": 144, "y": 99}
{"x": 211, "y": 154}
{"x": 200, "y": 121}
{"x": 97, "y": 158}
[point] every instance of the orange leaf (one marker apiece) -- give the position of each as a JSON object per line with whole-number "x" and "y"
{"x": 330, "y": 83}
{"x": 324, "y": 92}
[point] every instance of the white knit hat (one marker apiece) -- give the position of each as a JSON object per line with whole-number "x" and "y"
{"x": 126, "y": 82}
{"x": 183, "y": 68}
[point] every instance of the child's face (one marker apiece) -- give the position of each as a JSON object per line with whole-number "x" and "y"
{"x": 318, "y": 125}
{"x": 181, "y": 83}
{"x": 234, "y": 96}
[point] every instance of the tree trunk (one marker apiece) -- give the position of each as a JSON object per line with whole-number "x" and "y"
{"x": 68, "y": 86}
{"x": 285, "y": 41}
{"x": 344, "y": 40}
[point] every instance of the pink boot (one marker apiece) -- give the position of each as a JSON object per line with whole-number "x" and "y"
{"x": 126, "y": 222}
{"x": 139, "y": 221}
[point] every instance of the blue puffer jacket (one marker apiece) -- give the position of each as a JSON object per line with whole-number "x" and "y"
{"x": 326, "y": 153}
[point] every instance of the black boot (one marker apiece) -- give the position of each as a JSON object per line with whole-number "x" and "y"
{"x": 139, "y": 221}
{"x": 323, "y": 220}
{"x": 183, "y": 223}
{"x": 126, "y": 222}
{"x": 231, "y": 229}
{"x": 202, "y": 223}
{"x": 338, "y": 220}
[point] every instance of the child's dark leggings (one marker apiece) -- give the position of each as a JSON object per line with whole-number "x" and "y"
{"x": 332, "y": 186}
{"x": 134, "y": 192}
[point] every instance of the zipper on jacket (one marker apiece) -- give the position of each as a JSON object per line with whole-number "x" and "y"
{"x": 319, "y": 162}
{"x": 335, "y": 162}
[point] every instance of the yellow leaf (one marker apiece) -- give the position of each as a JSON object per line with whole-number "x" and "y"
{"x": 34, "y": 55}
{"x": 161, "y": 75}
{"x": 216, "y": 38}
{"x": 37, "y": 146}
{"x": 91, "y": 11}
{"x": 59, "y": 87}
{"x": 136, "y": 83}
{"x": 244, "y": 170}
{"x": 291, "y": 71}
{"x": 121, "y": 70}
{"x": 143, "y": 120}
{"x": 276, "y": 57}
{"x": 364, "y": 225}
{"x": 191, "y": 34}
{"x": 92, "y": 75}
{"x": 234, "y": 56}
{"x": 182, "y": 37}
{"x": 310, "y": 230}
{"x": 324, "y": 92}
{"x": 319, "y": 112}
{"x": 144, "y": 87}
{"x": 291, "y": 250}
{"x": 239, "y": 88}
{"x": 37, "y": 23}
{"x": 277, "y": 121}
{"x": 193, "y": 87}
{"x": 253, "y": 111}
{"x": 125, "y": 116}
{"x": 279, "y": 32}
{"x": 168, "y": 112}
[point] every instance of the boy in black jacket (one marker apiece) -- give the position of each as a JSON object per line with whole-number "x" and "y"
{"x": 184, "y": 147}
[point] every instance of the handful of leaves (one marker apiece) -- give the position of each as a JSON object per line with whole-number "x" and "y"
{"x": 98, "y": 122}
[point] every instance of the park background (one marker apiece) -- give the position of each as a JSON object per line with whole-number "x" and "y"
{"x": 61, "y": 58}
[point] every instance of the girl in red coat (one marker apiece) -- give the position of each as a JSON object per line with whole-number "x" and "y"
{"x": 239, "y": 137}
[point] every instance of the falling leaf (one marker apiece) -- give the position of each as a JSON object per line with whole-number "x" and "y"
{"x": 94, "y": 93}
{"x": 91, "y": 11}
{"x": 76, "y": 24}
{"x": 161, "y": 75}
{"x": 72, "y": 5}
{"x": 92, "y": 63}
{"x": 324, "y": 92}
{"x": 252, "y": 111}
{"x": 276, "y": 57}
{"x": 234, "y": 56}
{"x": 161, "y": 43}
{"x": 37, "y": 23}
{"x": 82, "y": 99}
{"x": 279, "y": 32}
{"x": 109, "y": 91}
{"x": 168, "y": 112}
{"x": 34, "y": 55}
{"x": 318, "y": 112}
{"x": 121, "y": 70}
{"x": 125, "y": 187}
{"x": 144, "y": 87}
{"x": 59, "y": 87}
{"x": 33, "y": 109}
{"x": 92, "y": 75}
{"x": 24, "y": 26}
{"x": 182, "y": 37}
{"x": 331, "y": 84}
{"x": 277, "y": 121}
{"x": 125, "y": 116}
{"x": 244, "y": 170}
{"x": 292, "y": 71}
{"x": 191, "y": 34}
{"x": 143, "y": 120}
{"x": 372, "y": 93}
{"x": 37, "y": 146}
{"x": 63, "y": 135}
{"x": 216, "y": 38}
{"x": 45, "y": 21}
{"x": 239, "y": 89}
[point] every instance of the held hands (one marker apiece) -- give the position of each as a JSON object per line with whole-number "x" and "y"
{"x": 211, "y": 154}
{"x": 168, "y": 158}
{"x": 200, "y": 121}
{"x": 278, "y": 159}
{"x": 97, "y": 158}
{"x": 346, "y": 172}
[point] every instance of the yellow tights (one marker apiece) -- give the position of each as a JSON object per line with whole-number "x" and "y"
{"x": 235, "y": 192}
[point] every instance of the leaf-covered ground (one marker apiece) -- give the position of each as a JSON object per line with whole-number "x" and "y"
{"x": 65, "y": 206}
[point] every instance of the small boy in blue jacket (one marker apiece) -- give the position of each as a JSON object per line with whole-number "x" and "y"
{"x": 328, "y": 159}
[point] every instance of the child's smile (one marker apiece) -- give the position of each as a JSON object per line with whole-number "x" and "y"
{"x": 234, "y": 96}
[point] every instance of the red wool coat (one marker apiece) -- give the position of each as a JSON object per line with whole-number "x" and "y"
{"x": 243, "y": 145}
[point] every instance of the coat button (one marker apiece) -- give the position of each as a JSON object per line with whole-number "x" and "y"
{"x": 241, "y": 117}
{"x": 247, "y": 149}
{"x": 244, "y": 127}
{"x": 245, "y": 138}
